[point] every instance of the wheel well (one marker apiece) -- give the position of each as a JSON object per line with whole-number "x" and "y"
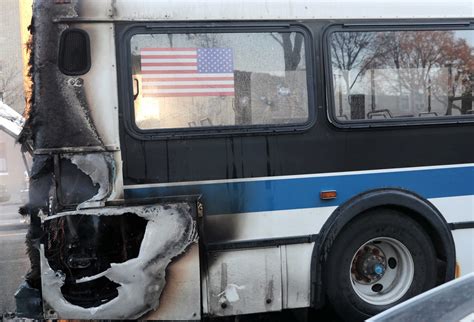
{"x": 412, "y": 205}
{"x": 433, "y": 233}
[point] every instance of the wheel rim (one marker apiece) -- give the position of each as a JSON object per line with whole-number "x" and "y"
{"x": 381, "y": 271}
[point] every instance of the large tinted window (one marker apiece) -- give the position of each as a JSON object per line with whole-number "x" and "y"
{"x": 219, "y": 79}
{"x": 402, "y": 74}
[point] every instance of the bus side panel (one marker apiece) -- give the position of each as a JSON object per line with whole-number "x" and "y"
{"x": 458, "y": 210}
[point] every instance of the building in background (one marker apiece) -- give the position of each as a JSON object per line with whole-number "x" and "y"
{"x": 11, "y": 64}
{"x": 12, "y": 169}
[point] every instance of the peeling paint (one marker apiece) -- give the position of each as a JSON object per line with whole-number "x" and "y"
{"x": 230, "y": 294}
{"x": 100, "y": 168}
{"x": 141, "y": 279}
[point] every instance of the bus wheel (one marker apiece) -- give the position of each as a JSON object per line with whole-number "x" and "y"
{"x": 379, "y": 259}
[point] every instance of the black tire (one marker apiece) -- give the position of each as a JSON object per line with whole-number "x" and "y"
{"x": 376, "y": 223}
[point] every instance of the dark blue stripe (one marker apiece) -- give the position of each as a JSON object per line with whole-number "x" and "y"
{"x": 281, "y": 194}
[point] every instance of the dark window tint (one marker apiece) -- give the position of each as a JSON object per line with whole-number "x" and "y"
{"x": 74, "y": 54}
{"x": 402, "y": 74}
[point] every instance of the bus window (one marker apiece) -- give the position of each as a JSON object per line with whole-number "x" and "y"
{"x": 402, "y": 74}
{"x": 218, "y": 79}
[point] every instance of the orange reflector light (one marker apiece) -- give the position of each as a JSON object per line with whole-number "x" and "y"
{"x": 457, "y": 271}
{"x": 326, "y": 195}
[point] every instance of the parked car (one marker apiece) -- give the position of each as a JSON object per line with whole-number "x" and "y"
{"x": 450, "y": 302}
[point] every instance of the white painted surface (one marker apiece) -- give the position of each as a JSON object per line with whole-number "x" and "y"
{"x": 100, "y": 85}
{"x": 268, "y": 224}
{"x": 180, "y": 299}
{"x": 244, "y": 280}
{"x": 455, "y": 209}
{"x": 163, "y": 10}
{"x": 298, "y": 268}
{"x": 459, "y": 209}
{"x": 464, "y": 240}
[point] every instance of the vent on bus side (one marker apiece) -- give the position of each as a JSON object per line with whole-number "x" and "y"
{"x": 74, "y": 52}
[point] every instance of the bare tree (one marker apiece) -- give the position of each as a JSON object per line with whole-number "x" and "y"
{"x": 420, "y": 57}
{"x": 291, "y": 48}
{"x": 11, "y": 86}
{"x": 352, "y": 51}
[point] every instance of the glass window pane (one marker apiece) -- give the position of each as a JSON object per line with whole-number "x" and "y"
{"x": 402, "y": 74}
{"x": 218, "y": 79}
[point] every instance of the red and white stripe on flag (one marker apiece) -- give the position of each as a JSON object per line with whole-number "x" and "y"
{"x": 175, "y": 72}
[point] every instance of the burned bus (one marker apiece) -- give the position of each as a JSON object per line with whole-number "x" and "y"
{"x": 221, "y": 158}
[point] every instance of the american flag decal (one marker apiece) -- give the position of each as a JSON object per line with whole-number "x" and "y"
{"x": 175, "y": 72}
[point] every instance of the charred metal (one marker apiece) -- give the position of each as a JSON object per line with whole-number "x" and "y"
{"x": 82, "y": 246}
{"x": 59, "y": 115}
{"x": 108, "y": 262}
{"x": 90, "y": 261}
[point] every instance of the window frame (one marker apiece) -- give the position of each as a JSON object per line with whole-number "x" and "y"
{"x": 381, "y": 26}
{"x": 126, "y": 84}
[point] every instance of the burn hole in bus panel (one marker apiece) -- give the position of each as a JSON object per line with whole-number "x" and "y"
{"x": 84, "y": 245}
{"x": 94, "y": 260}
{"x": 75, "y": 186}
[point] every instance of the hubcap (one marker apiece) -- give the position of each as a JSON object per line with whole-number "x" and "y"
{"x": 382, "y": 271}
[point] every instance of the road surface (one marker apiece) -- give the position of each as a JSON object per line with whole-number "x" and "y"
{"x": 13, "y": 260}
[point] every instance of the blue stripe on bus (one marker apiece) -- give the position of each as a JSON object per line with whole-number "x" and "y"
{"x": 303, "y": 192}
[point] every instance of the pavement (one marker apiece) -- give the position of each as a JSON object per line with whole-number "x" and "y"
{"x": 14, "y": 263}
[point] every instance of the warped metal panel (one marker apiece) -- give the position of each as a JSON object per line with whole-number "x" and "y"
{"x": 244, "y": 281}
